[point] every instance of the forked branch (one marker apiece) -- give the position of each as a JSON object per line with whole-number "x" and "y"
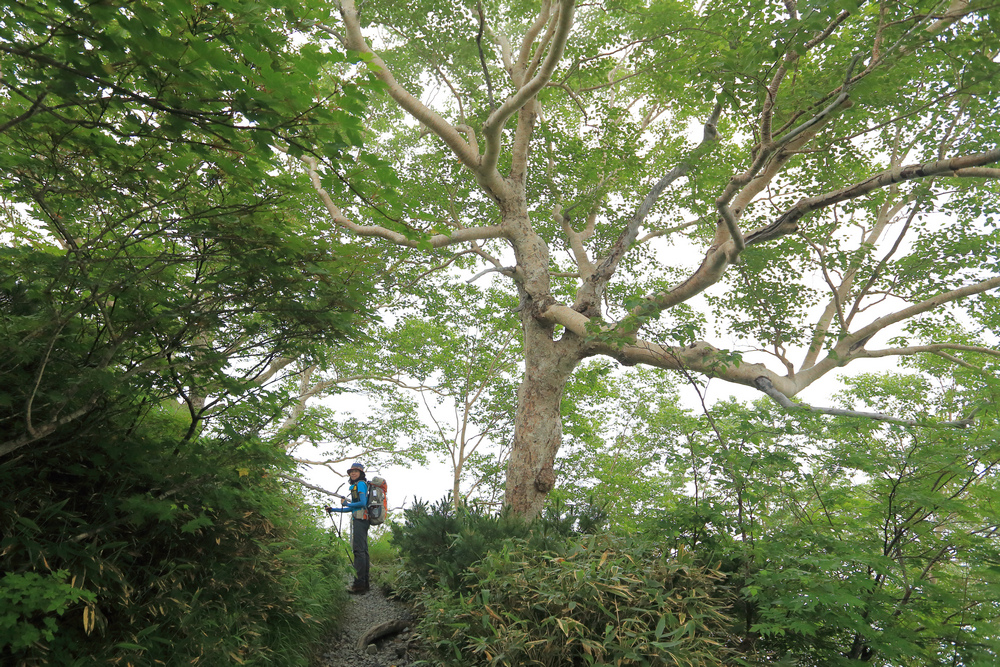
{"x": 355, "y": 40}
{"x": 852, "y": 346}
{"x": 436, "y": 241}
{"x": 594, "y": 285}
{"x": 493, "y": 126}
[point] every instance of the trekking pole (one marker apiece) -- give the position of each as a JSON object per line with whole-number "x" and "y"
{"x": 340, "y": 530}
{"x": 329, "y": 513}
{"x": 350, "y": 553}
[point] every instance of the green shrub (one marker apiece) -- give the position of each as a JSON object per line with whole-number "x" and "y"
{"x": 381, "y": 548}
{"x": 30, "y": 605}
{"x": 438, "y": 543}
{"x": 598, "y": 600}
{"x": 385, "y": 561}
{"x": 147, "y": 549}
{"x": 496, "y": 590}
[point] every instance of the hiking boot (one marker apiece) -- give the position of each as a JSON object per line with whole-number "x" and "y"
{"x": 355, "y": 589}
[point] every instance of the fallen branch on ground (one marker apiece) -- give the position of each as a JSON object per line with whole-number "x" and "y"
{"x": 381, "y": 630}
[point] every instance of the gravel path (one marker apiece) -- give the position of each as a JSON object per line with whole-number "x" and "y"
{"x": 363, "y": 613}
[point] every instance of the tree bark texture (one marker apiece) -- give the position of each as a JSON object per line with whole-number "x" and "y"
{"x": 538, "y": 423}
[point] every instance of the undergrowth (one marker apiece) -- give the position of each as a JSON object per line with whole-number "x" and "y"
{"x": 496, "y": 590}
{"x": 145, "y": 549}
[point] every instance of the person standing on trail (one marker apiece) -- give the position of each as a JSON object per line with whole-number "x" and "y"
{"x": 357, "y": 504}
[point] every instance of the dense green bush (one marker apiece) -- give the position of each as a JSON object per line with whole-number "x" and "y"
{"x": 30, "y": 605}
{"x": 439, "y": 543}
{"x": 387, "y": 566}
{"x": 145, "y": 549}
{"x": 496, "y": 590}
{"x": 593, "y": 600}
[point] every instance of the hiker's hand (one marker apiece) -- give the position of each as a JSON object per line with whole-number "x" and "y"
{"x": 327, "y": 508}
{"x": 343, "y": 501}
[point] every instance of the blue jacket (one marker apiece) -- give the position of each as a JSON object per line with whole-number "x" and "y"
{"x": 359, "y": 501}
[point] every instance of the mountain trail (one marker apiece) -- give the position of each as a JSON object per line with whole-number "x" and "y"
{"x": 376, "y": 632}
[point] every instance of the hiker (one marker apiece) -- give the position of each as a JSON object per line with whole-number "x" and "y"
{"x": 357, "y": 505}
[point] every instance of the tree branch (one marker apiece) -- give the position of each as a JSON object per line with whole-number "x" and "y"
{"x": 576, "y": 239}
{"x": 519, "y": 67}
{"x": 790, "y": 57}
{"x": 436, "y": 241}
{"x": 302, "y": 482}
{"x": 503, "y": 270}
{"x": 932, "y": 348}
{"x": 452, "y": 138}
{"x": 482, "y": 56}
{"x": 39, "y": 432}
{"x": 493, "y": 126}
{"x": 788, "y": 221}
{"x": 593, "y": 287}
{"x": 852, "y": 346}
{"x": 764, "y": 384}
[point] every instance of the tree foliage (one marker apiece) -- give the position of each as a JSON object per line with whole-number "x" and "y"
{"x": 153, "y": 244}
{"x": 846, "y": 542}
{"x": 159, "y": 275}
{"x": 808, "y": 185}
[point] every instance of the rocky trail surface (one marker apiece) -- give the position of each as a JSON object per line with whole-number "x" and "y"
{"x": 376, "y": 632}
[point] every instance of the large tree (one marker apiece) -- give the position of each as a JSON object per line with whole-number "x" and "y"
{"x": 816, "y": 177}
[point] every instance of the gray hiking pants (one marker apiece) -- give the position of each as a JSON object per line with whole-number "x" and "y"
{"x": 359, "y": 545}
